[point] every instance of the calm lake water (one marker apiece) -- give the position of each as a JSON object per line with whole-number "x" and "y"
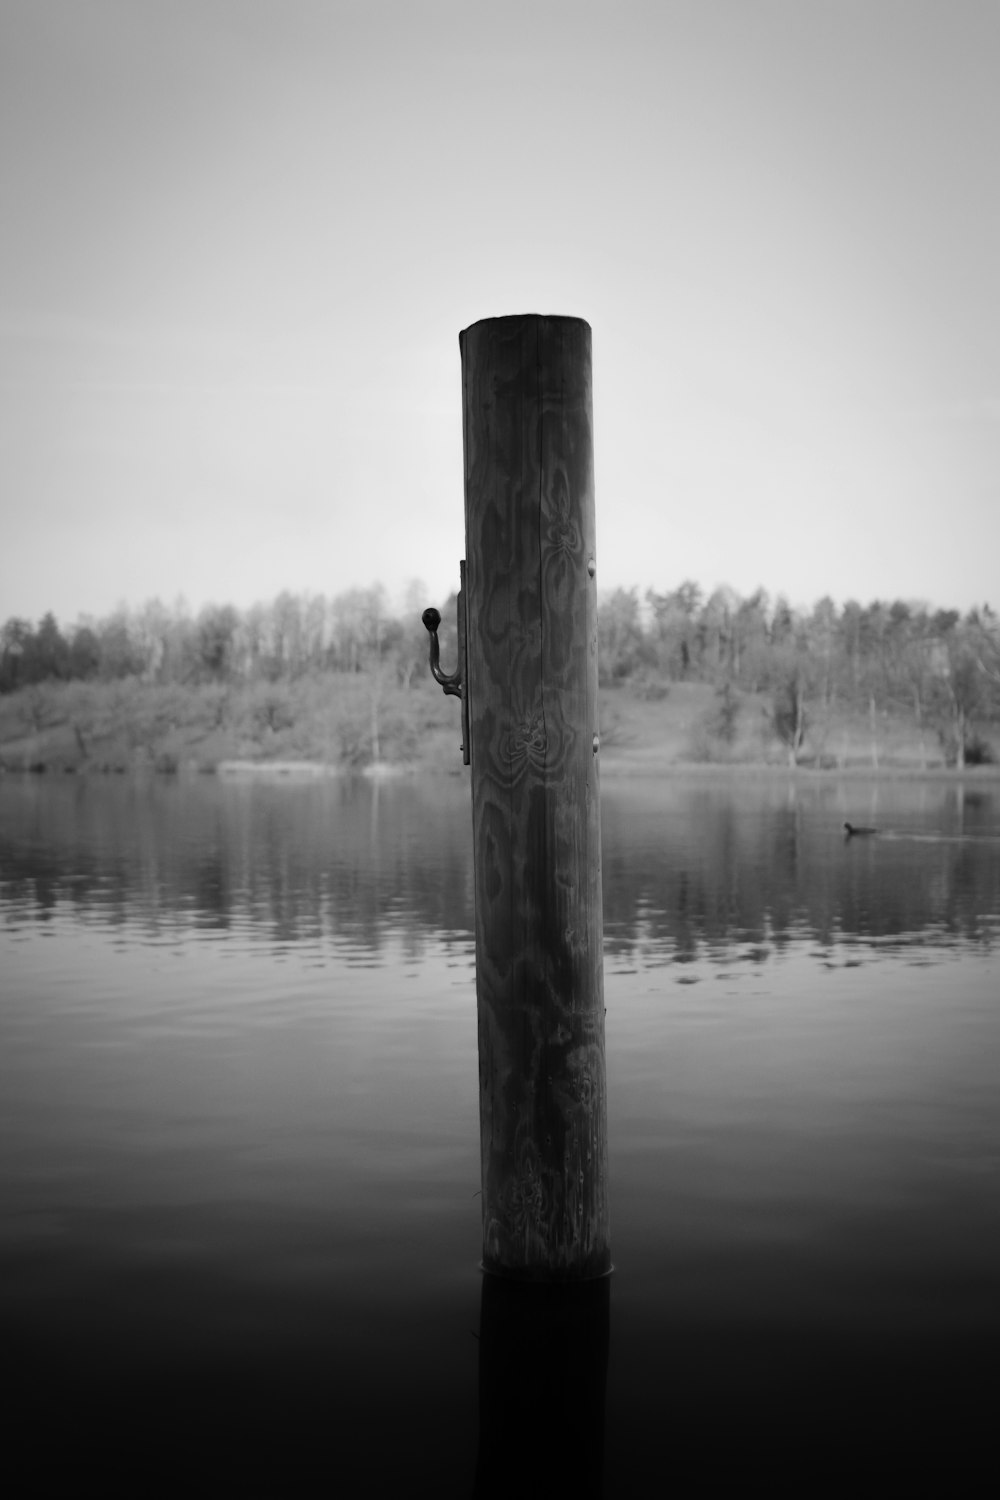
{"x": 239, "y": 1222}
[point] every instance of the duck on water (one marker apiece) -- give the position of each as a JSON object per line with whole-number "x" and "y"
{"x": 856, "y": 833}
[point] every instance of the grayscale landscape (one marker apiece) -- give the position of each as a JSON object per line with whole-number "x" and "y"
{"x": 581, "y": 1082}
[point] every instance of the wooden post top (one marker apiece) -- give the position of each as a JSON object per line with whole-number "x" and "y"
{"x": 523, "y": 318}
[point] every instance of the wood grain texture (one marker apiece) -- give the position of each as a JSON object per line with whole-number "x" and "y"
{"x": 532, "y": 663}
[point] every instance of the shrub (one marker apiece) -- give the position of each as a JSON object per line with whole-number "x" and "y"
{"x": 727, "y": 711}
{"x": 978, "y": 752}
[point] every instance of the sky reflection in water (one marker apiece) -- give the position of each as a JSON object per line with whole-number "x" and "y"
{"x": 239, "y": 1153}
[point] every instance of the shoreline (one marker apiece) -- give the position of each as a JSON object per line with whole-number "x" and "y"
{"x": 325, "y": 728}
{"x": 616, "y": 768}
{"x": 310, "y": 734}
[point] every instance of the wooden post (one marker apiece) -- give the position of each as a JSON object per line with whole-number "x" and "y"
{"x": 531, "y": 696}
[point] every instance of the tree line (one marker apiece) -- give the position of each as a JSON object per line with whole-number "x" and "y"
{"x": 937, "y": 666}
{"x": 283, "y": 640}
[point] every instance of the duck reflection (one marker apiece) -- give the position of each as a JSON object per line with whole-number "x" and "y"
{"x": 543, "y": 1361}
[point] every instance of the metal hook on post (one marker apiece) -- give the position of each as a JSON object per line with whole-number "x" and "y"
{"x": 451, "y": 682}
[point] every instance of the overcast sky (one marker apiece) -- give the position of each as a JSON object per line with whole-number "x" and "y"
{"x": 239, "y": 239}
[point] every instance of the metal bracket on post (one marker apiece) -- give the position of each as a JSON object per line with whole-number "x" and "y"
{"x": 455, "y": 682}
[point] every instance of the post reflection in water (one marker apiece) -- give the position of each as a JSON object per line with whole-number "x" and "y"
{"x": 543, "y": 1364}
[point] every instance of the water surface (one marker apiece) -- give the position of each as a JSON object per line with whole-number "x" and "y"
{"x": 239, "y": 1135}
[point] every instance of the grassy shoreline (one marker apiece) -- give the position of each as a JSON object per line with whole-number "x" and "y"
{"x": 357, "y": 725}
